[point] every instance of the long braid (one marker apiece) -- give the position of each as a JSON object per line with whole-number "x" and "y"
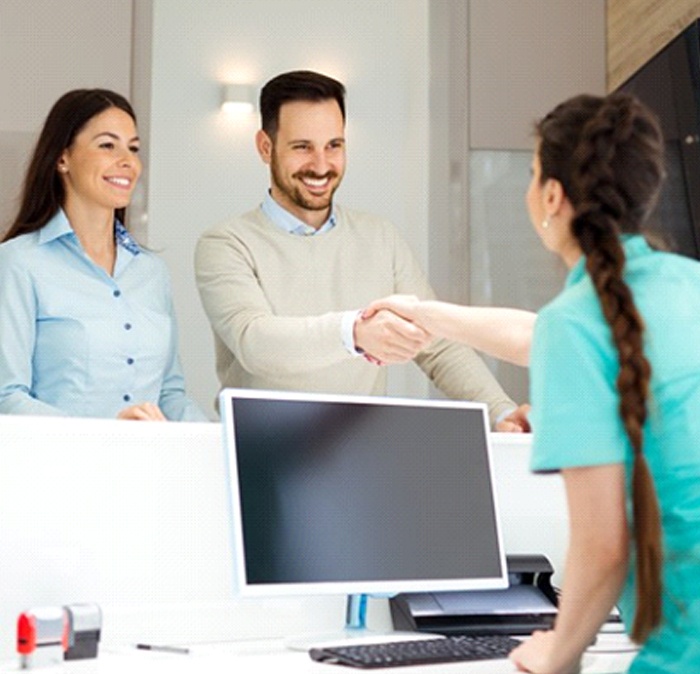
{"x": 601, "y": 215}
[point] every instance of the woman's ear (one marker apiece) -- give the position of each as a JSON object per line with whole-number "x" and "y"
{"x": 554, "y": 197}
{"x": 61, "y": 165}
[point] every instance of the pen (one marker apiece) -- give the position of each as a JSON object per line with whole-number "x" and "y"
{"x": 181, "y": 650}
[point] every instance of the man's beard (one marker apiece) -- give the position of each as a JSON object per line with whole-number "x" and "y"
{"x": 294, "y": 193}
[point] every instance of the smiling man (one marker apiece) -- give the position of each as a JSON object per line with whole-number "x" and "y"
{"x": 285, "y": 284}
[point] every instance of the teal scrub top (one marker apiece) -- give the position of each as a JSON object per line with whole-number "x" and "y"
{"x": 576, "y": 422}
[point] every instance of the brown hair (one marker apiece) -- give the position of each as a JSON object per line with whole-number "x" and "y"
{"x": 608, "y": 155}
{"x": 297, "y": 85}
{"x": 43, "y": 192}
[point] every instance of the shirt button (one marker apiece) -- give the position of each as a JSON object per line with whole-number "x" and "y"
{"x": 129, "y": 361}
{"x": 127, "y": 326}
{"x": 117, "y": 293}
{"x": 127, "y": 397}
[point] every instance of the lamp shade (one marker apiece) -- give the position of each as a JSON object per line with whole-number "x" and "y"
{"x": 238, "y": 97}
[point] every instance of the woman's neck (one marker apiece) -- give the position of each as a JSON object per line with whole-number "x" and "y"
{"x": 94, "y": 228}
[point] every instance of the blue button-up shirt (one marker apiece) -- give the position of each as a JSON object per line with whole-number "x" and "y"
{"x": 76, "y": 341}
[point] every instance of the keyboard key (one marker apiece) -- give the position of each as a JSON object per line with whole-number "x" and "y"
{"x": 422, "y": 652}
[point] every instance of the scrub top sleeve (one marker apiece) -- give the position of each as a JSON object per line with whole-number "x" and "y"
{"x": 575, "y": 416}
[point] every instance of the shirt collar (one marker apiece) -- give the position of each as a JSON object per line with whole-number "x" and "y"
{"x": 283, "y": 219}
{"x": 55, "y": 228}
{"x": 124, "y": 238}
{"x": 634, "y": 245}
{"x": 59, "y": 226}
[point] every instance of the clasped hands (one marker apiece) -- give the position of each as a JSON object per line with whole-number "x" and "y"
{"x": 389, "y": 331}
{"x": 386, "y": 331}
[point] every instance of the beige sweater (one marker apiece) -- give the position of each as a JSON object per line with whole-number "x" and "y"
{"x": 275, "y": 302}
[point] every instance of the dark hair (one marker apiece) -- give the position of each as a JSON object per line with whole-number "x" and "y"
{"x": 43, "y": 192}
{"x": 608, "y": 155}
{"x": 297, "y": 85}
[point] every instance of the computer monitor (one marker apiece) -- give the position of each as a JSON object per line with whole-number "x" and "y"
{"x": 356, "y": 495}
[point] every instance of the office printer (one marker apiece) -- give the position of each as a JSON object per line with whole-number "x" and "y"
{"x": 529, "y": 603}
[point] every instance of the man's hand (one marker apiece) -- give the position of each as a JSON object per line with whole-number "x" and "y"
{"x": 516, "y": 421}
{"x": 142, "y": 412}
{"x": 388, "y": 338}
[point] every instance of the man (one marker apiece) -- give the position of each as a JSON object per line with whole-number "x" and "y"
{"x": 284, "y": 285}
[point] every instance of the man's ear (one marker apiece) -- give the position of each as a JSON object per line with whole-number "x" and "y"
{"x": 263, "y": 143}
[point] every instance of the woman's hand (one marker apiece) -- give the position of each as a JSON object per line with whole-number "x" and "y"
{"x": 402, "y": 305}
{"x": 539, "y": 655}
{"x": 142, "y": 412}
{"x": 497, "y": 331}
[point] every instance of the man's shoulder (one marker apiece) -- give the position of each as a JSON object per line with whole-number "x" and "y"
{"x": 359, "y": 217}
{"x": 364, "y": 223}
{"x": 239, "y": 225}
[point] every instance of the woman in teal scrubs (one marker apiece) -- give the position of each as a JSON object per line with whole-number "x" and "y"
{"x": 615, "y": 387}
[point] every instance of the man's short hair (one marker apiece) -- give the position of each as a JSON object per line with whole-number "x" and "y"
{"x": 297, "y": 85}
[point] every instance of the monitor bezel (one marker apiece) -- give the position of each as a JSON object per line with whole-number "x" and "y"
{"x": 384, "y": 588}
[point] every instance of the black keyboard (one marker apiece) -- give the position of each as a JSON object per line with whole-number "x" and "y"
{"x": 422, "y": 652}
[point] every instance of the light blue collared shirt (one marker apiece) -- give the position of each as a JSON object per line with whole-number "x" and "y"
{"x": 75, "y": 341}
{"x": 283, "y": 219}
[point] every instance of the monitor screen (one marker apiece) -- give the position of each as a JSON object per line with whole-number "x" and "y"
{"x": 360, "y": 495}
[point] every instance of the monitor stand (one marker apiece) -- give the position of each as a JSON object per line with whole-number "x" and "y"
{"x": 355, "y": 628}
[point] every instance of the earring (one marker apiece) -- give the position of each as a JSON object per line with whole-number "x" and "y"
{"x": 545, "y": 223}
{"x": 63, "y": 169}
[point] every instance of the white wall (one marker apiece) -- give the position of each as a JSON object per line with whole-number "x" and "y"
{"x": 203, "y": 164}
{"x": 48, "y": 47}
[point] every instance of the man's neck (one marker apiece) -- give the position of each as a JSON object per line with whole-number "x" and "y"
{"x": 312, "y": 218}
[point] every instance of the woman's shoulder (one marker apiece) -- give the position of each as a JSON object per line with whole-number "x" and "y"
{"x": 16, "y": 250}
{"x": 22, "y": 241}
{"x": 574, "y": 320}
{"x": 575, "y": 303}
{"x": 672, "y": 263}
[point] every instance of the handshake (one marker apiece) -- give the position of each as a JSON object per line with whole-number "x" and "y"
{"x": 395, "y": 329}
{"x": 388, "y": 331}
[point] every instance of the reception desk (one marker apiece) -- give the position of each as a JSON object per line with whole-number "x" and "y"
{"x": 134, "y": 516}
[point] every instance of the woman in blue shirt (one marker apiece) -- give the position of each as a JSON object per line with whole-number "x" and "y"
{"x": 86, "y": 316}
{"x": 615, "y": 387}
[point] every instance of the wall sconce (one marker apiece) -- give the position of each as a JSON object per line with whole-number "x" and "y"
{"x": 238, "y": 97}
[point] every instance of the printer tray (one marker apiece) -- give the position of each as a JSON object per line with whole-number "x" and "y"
{"x": 528, "y": 604}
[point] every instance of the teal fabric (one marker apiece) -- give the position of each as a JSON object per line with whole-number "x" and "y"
{"x": 576, "y": 422}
